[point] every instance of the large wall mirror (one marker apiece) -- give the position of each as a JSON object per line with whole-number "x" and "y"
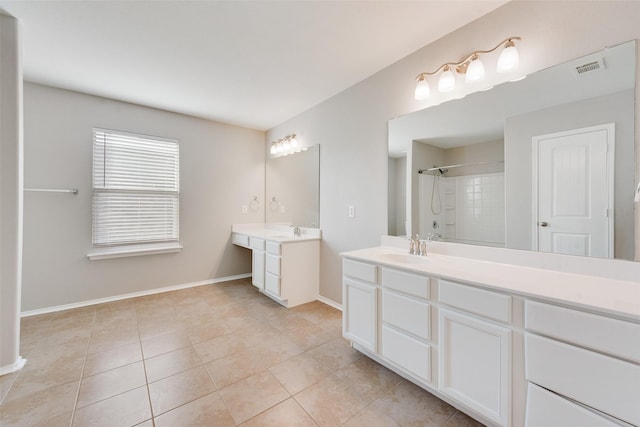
{"x": 545, "y": 163}
{"x": 293, "y": 188}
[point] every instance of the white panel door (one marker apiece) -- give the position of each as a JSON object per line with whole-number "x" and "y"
{"x": 574, "y": 192}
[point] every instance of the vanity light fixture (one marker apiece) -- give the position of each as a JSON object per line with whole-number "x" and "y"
{"x": 471, "y": 66}
{"x": 287, "y": 145}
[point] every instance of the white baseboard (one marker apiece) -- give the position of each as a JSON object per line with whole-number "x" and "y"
{"x": 330, "y": 303}
{"x": 15, "y": 366}
{"x": 131, "y": 295}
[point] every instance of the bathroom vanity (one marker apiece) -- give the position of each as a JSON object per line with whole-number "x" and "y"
{"x": 284, "y": 264}
{"x": 508, "y": 344}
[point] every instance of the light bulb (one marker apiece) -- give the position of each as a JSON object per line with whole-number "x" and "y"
{"x": 447, "y": 81}
{"x": 475, "y": 71}
{"x": 273, "y": 148}
{"x": 422, "y": 89}
{"x": 294, "y": 141}
{"x": 509, "y": 58}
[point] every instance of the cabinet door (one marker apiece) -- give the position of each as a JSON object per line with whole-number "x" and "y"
{"x": 257, "y": 269}
{"x": 475, "y": 364}
{"x": 359, "y": 320}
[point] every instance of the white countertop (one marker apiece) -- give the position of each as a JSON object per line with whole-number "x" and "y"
{"x": 281, "y": 233}
{"x": 608, "y": 296}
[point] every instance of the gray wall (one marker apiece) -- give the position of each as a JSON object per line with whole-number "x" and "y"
{"x": 397, "y": 196}
{"x": 519, "y": 130}
{"x": 351, "y": 127}
{"x": 10, "y": 191}
{"x": 491, "y": 151}
{"x": 221, "y": 168}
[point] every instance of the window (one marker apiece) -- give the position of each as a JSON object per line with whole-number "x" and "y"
{"x": 135, "y": 190}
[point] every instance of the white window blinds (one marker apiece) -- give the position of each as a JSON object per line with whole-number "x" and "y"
{"x": 135, "y": 189}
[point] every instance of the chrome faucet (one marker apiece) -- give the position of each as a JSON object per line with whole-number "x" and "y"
{"x": 296, "y": 230}
{"x": 414, "y": 245}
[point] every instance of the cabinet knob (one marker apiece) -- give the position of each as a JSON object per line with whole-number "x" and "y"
{"x": 544, "y": 224}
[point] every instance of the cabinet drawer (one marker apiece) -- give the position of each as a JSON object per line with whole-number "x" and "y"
{"x": 273, "y": 264}
{"x": 274, "y": 248}
{"x": 409, "y": 353}
{"x": 604, "y": 334}
{"x": 602, "y": 382}
{"x": 412, "y": 284}
{"x": 256, "y": 243}
{"x": 488, "y": 304}
{"x": 272, "y": 284}
{"x": 546, "y": 409}
{"x": 360, "y": 270}
{"x": 409, "y": 314}
{"x": 240, "y": 239}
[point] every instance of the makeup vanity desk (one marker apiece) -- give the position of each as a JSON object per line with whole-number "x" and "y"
{"x": 284, "y": 266}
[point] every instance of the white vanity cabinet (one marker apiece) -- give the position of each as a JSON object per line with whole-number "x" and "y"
{"x": 257, "y": 261}
{"x": 583, "y": 365}
{"x": 292, "y": 271}
{"x": 284, "y": 268}
{"x": 360, "y": 303}
{"x": 475, "y": 349}
{"x": 406, "y": 322}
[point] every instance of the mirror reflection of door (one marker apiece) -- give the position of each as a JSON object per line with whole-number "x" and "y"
{"x": 573, "y": 173}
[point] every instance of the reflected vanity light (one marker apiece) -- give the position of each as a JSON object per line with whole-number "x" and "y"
{"x": 284, "y": 146}
{"x": 471, "y": 66}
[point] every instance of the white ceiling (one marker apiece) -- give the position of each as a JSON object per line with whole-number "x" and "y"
{"x": 250, "y": 63}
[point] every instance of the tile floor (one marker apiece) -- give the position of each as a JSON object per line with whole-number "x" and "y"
{"x": 218, "y": 355}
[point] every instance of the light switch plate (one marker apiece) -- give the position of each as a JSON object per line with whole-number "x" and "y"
{"x": 245, "y": 208}
{"x": 352, "y": 211}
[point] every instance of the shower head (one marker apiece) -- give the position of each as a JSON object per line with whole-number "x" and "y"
{"x": 443, "y": 171}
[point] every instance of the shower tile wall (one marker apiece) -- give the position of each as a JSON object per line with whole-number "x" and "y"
{"x": 474, "y": 208}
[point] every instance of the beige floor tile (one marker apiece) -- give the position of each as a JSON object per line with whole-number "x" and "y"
{"x": 159, "y": 325}
{"x": 38, "y": 407}
{"x": 277, "y": 350}
{"x": 285, "y": 414}
{"x": 174, "y": 391}
{"x": 205, "y": 330}
{"x": 70, "y": 335}
{"x": 251, "y": 396}
{"x": 300, "y": 372}
{"x": 112, "y": 338}
{"x": 335, "y": 354}
{"x": 46, "y": 371}
{"x": 220, "y": 347}
{"x": 6, "y": 381}
{"x": 331, "y": 402}
{"x": 209, "y": 410}
{"x": 410, "y": 405}
{"x": 125, "y": 409}
{"x": 369, "y": 377}
{"x": 148, "y": 423}
{"x": 463, "y": 420}
{"x": 164, "y": 343}
{"x": 369, "y": 417}
{"x": 168, "y": 364}
{"x": 111, "y": 359}
{"x": 110, "y": 383}
{"x": 63, "y": 420}
{"x": 310, "y": 336}
{"x": 233, "y": 368}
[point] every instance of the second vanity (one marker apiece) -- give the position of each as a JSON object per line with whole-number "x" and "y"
{"x": 284, "y": 264}
{"x": 509, "y": 345}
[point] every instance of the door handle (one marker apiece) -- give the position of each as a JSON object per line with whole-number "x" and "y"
{"x": 543, "y": 224}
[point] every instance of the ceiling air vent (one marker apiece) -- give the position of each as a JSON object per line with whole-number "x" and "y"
{"x": 591, "y": 66}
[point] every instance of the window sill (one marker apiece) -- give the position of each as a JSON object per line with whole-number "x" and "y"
{"x": 134, "y": 250}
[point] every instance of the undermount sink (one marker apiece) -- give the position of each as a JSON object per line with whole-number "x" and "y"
{"x": 404, "y": 258}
